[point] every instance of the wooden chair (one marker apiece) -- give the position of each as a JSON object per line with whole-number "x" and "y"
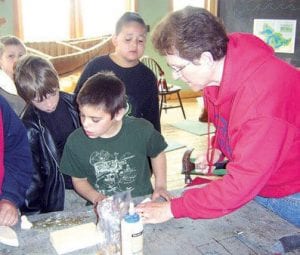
{"x": 165, "y": 89}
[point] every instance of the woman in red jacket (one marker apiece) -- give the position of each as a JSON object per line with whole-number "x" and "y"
{"x": 252, "y": 98}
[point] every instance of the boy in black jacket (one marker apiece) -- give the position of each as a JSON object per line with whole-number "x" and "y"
{"x": 49, "y": 119}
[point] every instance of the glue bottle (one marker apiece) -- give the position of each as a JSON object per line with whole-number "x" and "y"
{"x": 132, "y": 233}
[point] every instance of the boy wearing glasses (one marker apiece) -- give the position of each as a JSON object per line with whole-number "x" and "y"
{"x": 49, "y": 119}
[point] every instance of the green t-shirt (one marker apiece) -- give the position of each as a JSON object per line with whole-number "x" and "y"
{"x": 118, "y": 163}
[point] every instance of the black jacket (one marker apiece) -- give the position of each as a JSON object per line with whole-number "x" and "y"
{"x": 47, "y": 190}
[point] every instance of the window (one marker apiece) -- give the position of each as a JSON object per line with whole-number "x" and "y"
{"x": 99, "y": 18}
{"x": 46, "y": 20}
{"x": 210, "y": 5}
{"x": 61, "y": 20}
{"x": 179, "y": 4}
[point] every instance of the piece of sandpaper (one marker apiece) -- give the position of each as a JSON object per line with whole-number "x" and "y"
{"x": 8, "y": 236}
{"x": 75, "y": 238}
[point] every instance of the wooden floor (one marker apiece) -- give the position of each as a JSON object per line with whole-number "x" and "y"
{"x": 193, "y": 110}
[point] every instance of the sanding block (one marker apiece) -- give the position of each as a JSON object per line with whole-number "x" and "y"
{"x": 75, "y": 238}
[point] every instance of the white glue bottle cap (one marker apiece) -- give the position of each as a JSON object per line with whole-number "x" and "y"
{"x": 132, "y": 216}
{"x": 131, "y": 208}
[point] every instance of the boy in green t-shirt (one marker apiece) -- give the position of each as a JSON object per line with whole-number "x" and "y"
{"x": 109, "y": 153}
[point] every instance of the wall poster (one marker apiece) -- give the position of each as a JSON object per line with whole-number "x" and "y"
{"x": 278, "y": 33}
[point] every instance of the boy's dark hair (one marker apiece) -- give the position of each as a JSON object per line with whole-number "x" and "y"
{"x": 190, "y": 32}
{"x": 104, "y": 90}
{"x": 10, "y": 40}
{"x": 129, "y": 17}
{"x": 35, "y": 78}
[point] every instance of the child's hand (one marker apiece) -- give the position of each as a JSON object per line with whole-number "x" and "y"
{"x": 161, "y": 192}
{"x": 98, "y": 199}
{"x": 8, "y": 213}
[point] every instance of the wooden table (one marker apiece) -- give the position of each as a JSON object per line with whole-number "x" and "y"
{"x": 250, "y": 230}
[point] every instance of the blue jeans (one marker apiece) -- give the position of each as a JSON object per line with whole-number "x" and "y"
{"x": 287, "y": 207}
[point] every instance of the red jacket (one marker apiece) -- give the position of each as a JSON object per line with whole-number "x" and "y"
{"x": 1, "y": 153}
{"x": 256, "y": 112}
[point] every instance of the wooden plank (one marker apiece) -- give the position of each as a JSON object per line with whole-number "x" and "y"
{"x": 250, "y": 230}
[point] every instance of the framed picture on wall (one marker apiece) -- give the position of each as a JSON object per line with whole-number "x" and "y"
{"x": 278, "y": 33}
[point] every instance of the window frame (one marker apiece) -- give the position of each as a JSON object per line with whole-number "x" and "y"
{"x": 76, "y": 20}
{"x": 210, "y": 5}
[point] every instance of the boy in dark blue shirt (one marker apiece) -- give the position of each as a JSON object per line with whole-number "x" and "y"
{"x": 16, "y": 164}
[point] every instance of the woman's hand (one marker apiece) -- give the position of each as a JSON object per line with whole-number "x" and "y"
{"x": 201, "y": 162}
{"x": 155, "y": 212}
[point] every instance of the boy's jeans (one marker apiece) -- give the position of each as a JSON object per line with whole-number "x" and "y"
{"x": 287, "y": 207}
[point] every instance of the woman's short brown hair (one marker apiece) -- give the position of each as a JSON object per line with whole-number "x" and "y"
{"x": 190, "y": 32}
